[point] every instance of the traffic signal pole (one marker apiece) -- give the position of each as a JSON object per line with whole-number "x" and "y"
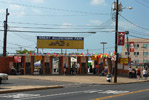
{"x": 5, "y": 34}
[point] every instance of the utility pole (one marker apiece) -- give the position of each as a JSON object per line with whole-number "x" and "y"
{"x": 116, "y": 31}
{"x": 5, "y": 34}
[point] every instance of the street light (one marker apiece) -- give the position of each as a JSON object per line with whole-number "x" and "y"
{"x": 103, "y": 50}
{"x": 127, "y": 32}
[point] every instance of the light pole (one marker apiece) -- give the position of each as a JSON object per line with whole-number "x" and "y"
{"x": 127, "y": 32}
{"x": 103, "y": 50}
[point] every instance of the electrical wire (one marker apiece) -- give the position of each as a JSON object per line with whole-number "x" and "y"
{"x": 47, "y": 32}
{"x": 53, "y": 27}
{"x": 139, "y": 37}
{"x": 56, "y": 9}
{"x": 142, "y": 4}
{"x": 133, "y": 23}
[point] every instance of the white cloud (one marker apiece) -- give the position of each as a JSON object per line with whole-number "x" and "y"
{"x": 36, "y": 11}
{"x": 38, "y": 1}
{"x": 16, "y": 7}
{"x": 98, "y": 2}
{"x": 2, "y": 11}
{"x": 97, "y": 22}
{"x": 18, "y": 14}
{"x": 66, "y": 25}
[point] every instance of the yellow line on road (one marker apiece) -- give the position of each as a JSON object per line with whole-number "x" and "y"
{"x": 112, "y": 96}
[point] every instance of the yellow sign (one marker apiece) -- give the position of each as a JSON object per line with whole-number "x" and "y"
{"x": 60, "y": 42}
{"x": 38, "y": 57}
{"x": 93, "y": 58}
{"x": 124, "y": 60}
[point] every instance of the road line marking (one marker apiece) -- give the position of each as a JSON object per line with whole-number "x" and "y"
{"x": 128, "y": 93}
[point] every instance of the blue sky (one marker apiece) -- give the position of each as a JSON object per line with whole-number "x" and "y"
{"x": 72, "y": 15}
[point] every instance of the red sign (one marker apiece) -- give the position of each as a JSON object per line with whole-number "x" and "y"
{"x": 131, "y": 46}
{"x": 121, "y": 38}
{"x": 17, "y": 59}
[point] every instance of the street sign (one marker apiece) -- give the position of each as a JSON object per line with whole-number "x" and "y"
{"x": 113, "y": 58}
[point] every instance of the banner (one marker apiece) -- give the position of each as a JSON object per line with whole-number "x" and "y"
{"x": 60, "y": 42}
{"x": 121, "y": 38}
{"x": 131, "y": 46}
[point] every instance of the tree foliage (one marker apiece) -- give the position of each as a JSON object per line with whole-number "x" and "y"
{"x": 25, "y": 51}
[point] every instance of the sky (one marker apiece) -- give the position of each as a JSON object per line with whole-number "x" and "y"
{"x": 71, "y": 16}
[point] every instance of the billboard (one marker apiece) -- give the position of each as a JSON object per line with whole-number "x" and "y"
{"x": 60, "y": 42}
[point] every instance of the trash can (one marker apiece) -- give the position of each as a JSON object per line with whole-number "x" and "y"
{"x": 109, "y": 77}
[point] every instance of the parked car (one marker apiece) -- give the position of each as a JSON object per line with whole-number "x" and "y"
{"x": 3, "y": 76}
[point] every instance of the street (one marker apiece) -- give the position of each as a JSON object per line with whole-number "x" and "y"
{"x": 73, "y": 91}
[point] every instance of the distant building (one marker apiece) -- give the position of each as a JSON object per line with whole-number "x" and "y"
{"x": 141, "y": 51}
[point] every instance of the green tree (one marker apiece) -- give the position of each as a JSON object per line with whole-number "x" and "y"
{"x": 25, "y": 51}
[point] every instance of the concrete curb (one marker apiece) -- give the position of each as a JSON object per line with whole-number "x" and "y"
{"x": 121, "y": 83}
{"x": 31, "y": 89}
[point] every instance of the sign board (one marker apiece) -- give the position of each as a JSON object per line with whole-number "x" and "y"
{"x": 131, "y": 46}
{"x": 65, "y": 62}
{"x": 83, "y": 59}
{"x": 60, "y": 42}
{"x": 120, "y": 66}
{"x": 124, "y": 60}
{"x": 47, "y": 59}
{"x": 93, "y": 58}
{"x": 126, "y": 67}
{"x": 38, "y": 57}
{"x": 121, "y": 38}
{"x": 27, "y": 59}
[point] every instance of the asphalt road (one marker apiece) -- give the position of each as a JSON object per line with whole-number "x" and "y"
{"x": 135, "y": 91}
{"x": 22, "y": 82}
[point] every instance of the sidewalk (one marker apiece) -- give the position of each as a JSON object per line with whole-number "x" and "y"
{"x": 73, "y": 79}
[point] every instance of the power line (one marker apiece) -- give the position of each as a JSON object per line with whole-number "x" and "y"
{"x": 142, "y": 4}
{"x": 139, "y": 37}
{"x": 133, "y": 23}
{"x": 64, "y": 10}
{"x": 54, "y": 27}
{"x": 47, "y": 32}
{"x": 85, "y": 26}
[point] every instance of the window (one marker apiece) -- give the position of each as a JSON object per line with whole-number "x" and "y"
{"x": 146, "y": 54}
{"x": 126, "y": 53}
{"x": 136, "y": 53}
{"x": 136, "y": 46}
{"x": 144, "y": 45}
{"x": 147, "y": 45}
{"x": 126, "y": 46}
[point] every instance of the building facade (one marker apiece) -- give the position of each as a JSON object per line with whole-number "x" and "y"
{"x": 141, "y": 51}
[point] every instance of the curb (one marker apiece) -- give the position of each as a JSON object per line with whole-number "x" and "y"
{"x": 121, "y": 83}
{"x": 31, "y": 89}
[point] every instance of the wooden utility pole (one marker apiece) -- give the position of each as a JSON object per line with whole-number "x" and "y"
{"x": 116, "y": 31}
{"x": 5, "y": 33}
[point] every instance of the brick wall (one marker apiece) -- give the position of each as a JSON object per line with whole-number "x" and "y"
{"x": 5, "y": 64}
